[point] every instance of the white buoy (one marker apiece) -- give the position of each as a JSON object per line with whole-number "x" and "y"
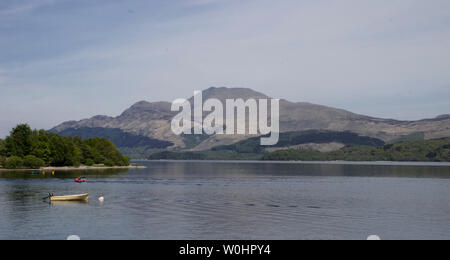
{"x": 101, "y": 199}
{"x": 373, "y": 238}
{"x": 73, "y": 237}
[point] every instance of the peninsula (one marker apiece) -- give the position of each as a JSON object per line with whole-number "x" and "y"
{"x": 38, "y": 149}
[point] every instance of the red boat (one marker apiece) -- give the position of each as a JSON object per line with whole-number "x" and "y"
{"x": 80, "y": 179}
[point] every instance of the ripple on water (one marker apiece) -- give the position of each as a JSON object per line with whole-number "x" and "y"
{"x": 246, "y": 201}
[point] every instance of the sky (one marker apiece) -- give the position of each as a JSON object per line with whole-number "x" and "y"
{"x": 66, "y": 60}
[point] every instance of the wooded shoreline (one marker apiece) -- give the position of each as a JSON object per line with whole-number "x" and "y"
{"x": 80, "y": 168}
{"x": 25, "y": 148}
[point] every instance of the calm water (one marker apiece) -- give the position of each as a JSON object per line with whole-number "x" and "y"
{"x": 198, "y": 200}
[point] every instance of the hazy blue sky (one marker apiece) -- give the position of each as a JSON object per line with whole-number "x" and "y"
{"x": 72, "y": 59}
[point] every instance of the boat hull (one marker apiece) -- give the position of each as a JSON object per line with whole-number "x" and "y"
{"x": 81, "y": 197}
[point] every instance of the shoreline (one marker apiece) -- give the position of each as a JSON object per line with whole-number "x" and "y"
{"x": 72, "y": 168}
{"x": 367, "y": 163}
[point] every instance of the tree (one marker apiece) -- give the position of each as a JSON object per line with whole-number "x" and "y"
{"x": 3, "y": 150}
{"x": 2, "y": 161}
{"x": 14, "y": 162}
{"x": 104, "y": 151}
{"x": 87, "y": 155}
{"x": 32, "y": 162}
{"x": 40, "y": 148}
{"x": 63, "y": 151}
{"x": 19, "y": 142}
{"x": 109, "y": 163}
{"x": 126, "y": 161}
{"x": 89, "y": 162}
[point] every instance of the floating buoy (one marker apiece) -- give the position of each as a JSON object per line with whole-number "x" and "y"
{"x": 373, "y": 238}
{"x": 73, "y": 237}
{"x": 101, "y": 199}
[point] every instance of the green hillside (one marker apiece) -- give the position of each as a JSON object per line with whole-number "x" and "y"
{"x": 253, "y": 145}
{"x": 413, "y": 151}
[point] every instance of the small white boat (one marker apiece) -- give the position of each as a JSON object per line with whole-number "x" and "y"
{"x": 80, "y": 197}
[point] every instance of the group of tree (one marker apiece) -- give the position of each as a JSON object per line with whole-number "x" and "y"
{"x": 408, "y": 151}
{"x": 32, "y": 149}
{"x": 253, "y": 145}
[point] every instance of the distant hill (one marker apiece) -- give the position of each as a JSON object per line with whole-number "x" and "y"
{"x": 152, "y": 120}
{"x": 443, "y": 117}
{"x": 409, "y": 151}
{"x": 252, "y": 145}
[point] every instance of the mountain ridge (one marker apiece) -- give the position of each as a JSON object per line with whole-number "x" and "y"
{"x": 152, "y": 119}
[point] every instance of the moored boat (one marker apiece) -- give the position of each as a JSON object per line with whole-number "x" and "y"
{"x": 80, "y": 197}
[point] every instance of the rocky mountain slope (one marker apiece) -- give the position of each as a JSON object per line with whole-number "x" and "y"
{"x": 153, "y": 120}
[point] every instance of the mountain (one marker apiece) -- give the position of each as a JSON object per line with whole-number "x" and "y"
{"x": 231, "y": 93}
{"x": 153, "y": 120}
{"x": 143, "y": 119}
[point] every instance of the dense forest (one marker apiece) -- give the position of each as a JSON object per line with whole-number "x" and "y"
{"x": 357, "y": 148}
{"x": 412, "y": 151}
{"x": 253, "y": 145}
{"x": 32, "y": 149}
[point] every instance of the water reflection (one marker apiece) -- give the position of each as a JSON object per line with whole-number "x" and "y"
{"x": 68, "y": 203}
{"x": 205, "y": 200}
{"x": 179, "y": 169}
{"x": 100, "y": 173}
